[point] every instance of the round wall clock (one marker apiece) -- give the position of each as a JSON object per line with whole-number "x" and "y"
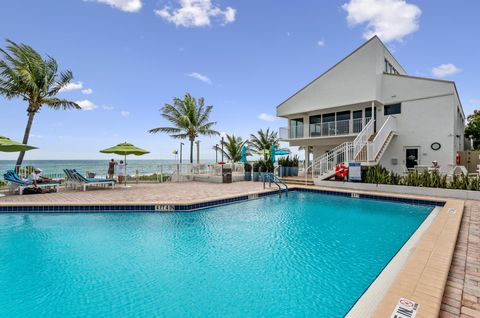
{"x": 435, "y": 146}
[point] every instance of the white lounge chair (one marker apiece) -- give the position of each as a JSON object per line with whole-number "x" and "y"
{"x": 76, "y": 179}
{"x": 16, "y": 183}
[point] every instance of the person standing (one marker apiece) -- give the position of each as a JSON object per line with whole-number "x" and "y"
{"x": 111, "y": 168}
{"x": 121, "y": 173}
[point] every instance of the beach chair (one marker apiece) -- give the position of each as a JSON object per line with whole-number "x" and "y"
{"x": 77, "y": 179}
{"x": 17, "y": 183}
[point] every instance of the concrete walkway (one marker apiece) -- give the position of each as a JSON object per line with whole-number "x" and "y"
{"x": 462, "y": 293}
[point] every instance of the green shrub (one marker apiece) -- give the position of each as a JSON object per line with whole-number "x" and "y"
{"x": 461, "y": 182}
{"x": 248, "y": 167}
{"x": 294, "y": 161}
{"x": 378, "y": 175}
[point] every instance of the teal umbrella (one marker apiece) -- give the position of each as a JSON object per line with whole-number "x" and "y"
{"x": 272, "y": 153}
{"x": 282, "y": 152}
{"x": 244, "y": 155}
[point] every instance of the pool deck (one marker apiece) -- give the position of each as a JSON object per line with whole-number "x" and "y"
{"x": 143, "y": 193}
{"x": 462, "y": 291}
{"x": 441, "y": 273}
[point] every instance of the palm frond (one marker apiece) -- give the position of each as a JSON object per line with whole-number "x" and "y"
{"x": 57, "y": 103}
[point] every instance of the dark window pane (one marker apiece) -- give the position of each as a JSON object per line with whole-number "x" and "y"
{"x": 328, "y": 118}
{"x": 343, "y": 115}
{"x": 357, "y": 114}
{"x": 392, "y": 109}
{"x": 315, "y": 119}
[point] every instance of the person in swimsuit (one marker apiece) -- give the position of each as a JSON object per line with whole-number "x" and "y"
{"x": 111, "y": 168}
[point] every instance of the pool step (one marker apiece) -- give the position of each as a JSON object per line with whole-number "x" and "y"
{"x": 298, "y": 181}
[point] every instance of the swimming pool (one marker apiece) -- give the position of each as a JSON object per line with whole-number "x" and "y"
{"x": 302, "y": 255}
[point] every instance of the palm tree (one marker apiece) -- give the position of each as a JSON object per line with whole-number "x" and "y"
{"x": 189, "y": 118}
{"x": 232, "y": 148}
{"x": 25, "y": 74}
{"x": 263, "y": 141}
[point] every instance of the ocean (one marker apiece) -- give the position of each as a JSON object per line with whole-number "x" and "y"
{"x": 54, "y": 168}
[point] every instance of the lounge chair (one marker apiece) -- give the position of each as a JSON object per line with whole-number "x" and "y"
{"x": 18, "y": 183}
{"x": 76, "y": 179}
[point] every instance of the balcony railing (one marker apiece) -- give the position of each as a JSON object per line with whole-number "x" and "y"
{"x": 292, "y": 133}
{"x": 328, "y": 129}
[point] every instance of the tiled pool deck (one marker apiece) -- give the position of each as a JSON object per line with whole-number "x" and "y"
{"x": 423, "y": 278}
{"x": 462, "y": 291}
{"x": 164, "y": 193}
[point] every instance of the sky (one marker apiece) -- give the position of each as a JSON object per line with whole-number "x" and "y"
{"x": 130, "y": 57}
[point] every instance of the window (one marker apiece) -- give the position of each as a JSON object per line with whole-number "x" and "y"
{"x": 357, "y": 121}
{"x": 389, "y": 69}
{"x": 296, "y": 128}
{"x": 315, "y": 119}
{"x": 343, "y": 123}
{"x": 392, "y": 109}
{"x": 328, "y": 126}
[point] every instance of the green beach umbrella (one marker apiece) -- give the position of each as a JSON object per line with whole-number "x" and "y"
{"x": 125, "y": 149}
{"x": 8, "y": 145}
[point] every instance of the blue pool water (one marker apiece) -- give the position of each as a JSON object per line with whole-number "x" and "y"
{"x": 308, "y": 255}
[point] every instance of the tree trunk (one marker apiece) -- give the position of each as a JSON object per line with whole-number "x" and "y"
{"x": 191, "y": 150}
{"x": 26, "y": 135}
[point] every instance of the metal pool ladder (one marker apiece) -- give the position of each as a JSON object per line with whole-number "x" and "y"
{"x": 277, "y": 181}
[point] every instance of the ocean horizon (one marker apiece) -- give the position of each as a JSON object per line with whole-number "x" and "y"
{"x": 54, "y": 168}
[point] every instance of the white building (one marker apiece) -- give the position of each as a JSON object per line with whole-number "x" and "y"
{"x": 416, "y": 120}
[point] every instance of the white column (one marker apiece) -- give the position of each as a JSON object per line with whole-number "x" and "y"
{"x": 307, "y": 156}
{"x": 350, "y": 123}
{"x": 306, "y": 126}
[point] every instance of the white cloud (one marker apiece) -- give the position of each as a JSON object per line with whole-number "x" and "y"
{"x": 266, "y": 117}
{"x": 124, "y": 5}
{"x": 107, "y": 107}
{"x": 72, "y": 87}
{"x": 87, "y": 91}
{"x": 445, "y": 70}
{"x": 389, "y": 19}
{"x": 321, "y": 43}
{"x": 86, "y": 104}
{"x": 196, "y": 13}
{"x": 124, "y": 113}
{"x": 200, "y": 77}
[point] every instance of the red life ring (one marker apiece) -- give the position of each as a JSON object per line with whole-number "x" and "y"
{"x": 341, "y": 171}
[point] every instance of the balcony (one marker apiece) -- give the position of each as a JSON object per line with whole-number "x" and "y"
{"x": 327, "y": 129}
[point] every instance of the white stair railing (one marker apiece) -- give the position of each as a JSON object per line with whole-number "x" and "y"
{"x": 343, "y": 153}
{"x": 374, "y": 147}
{"x": 362, "y": 139}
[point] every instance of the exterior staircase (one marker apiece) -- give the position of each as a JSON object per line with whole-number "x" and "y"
{"x": 368, "y": 148}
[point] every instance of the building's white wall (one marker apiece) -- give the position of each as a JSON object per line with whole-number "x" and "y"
{"x": 429, "y": 114}
{"x": 431, "y": 109}
{"x": 349, "y": 82}
{"x": 421, "y": 123}
{"x": 401, "y": 88}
